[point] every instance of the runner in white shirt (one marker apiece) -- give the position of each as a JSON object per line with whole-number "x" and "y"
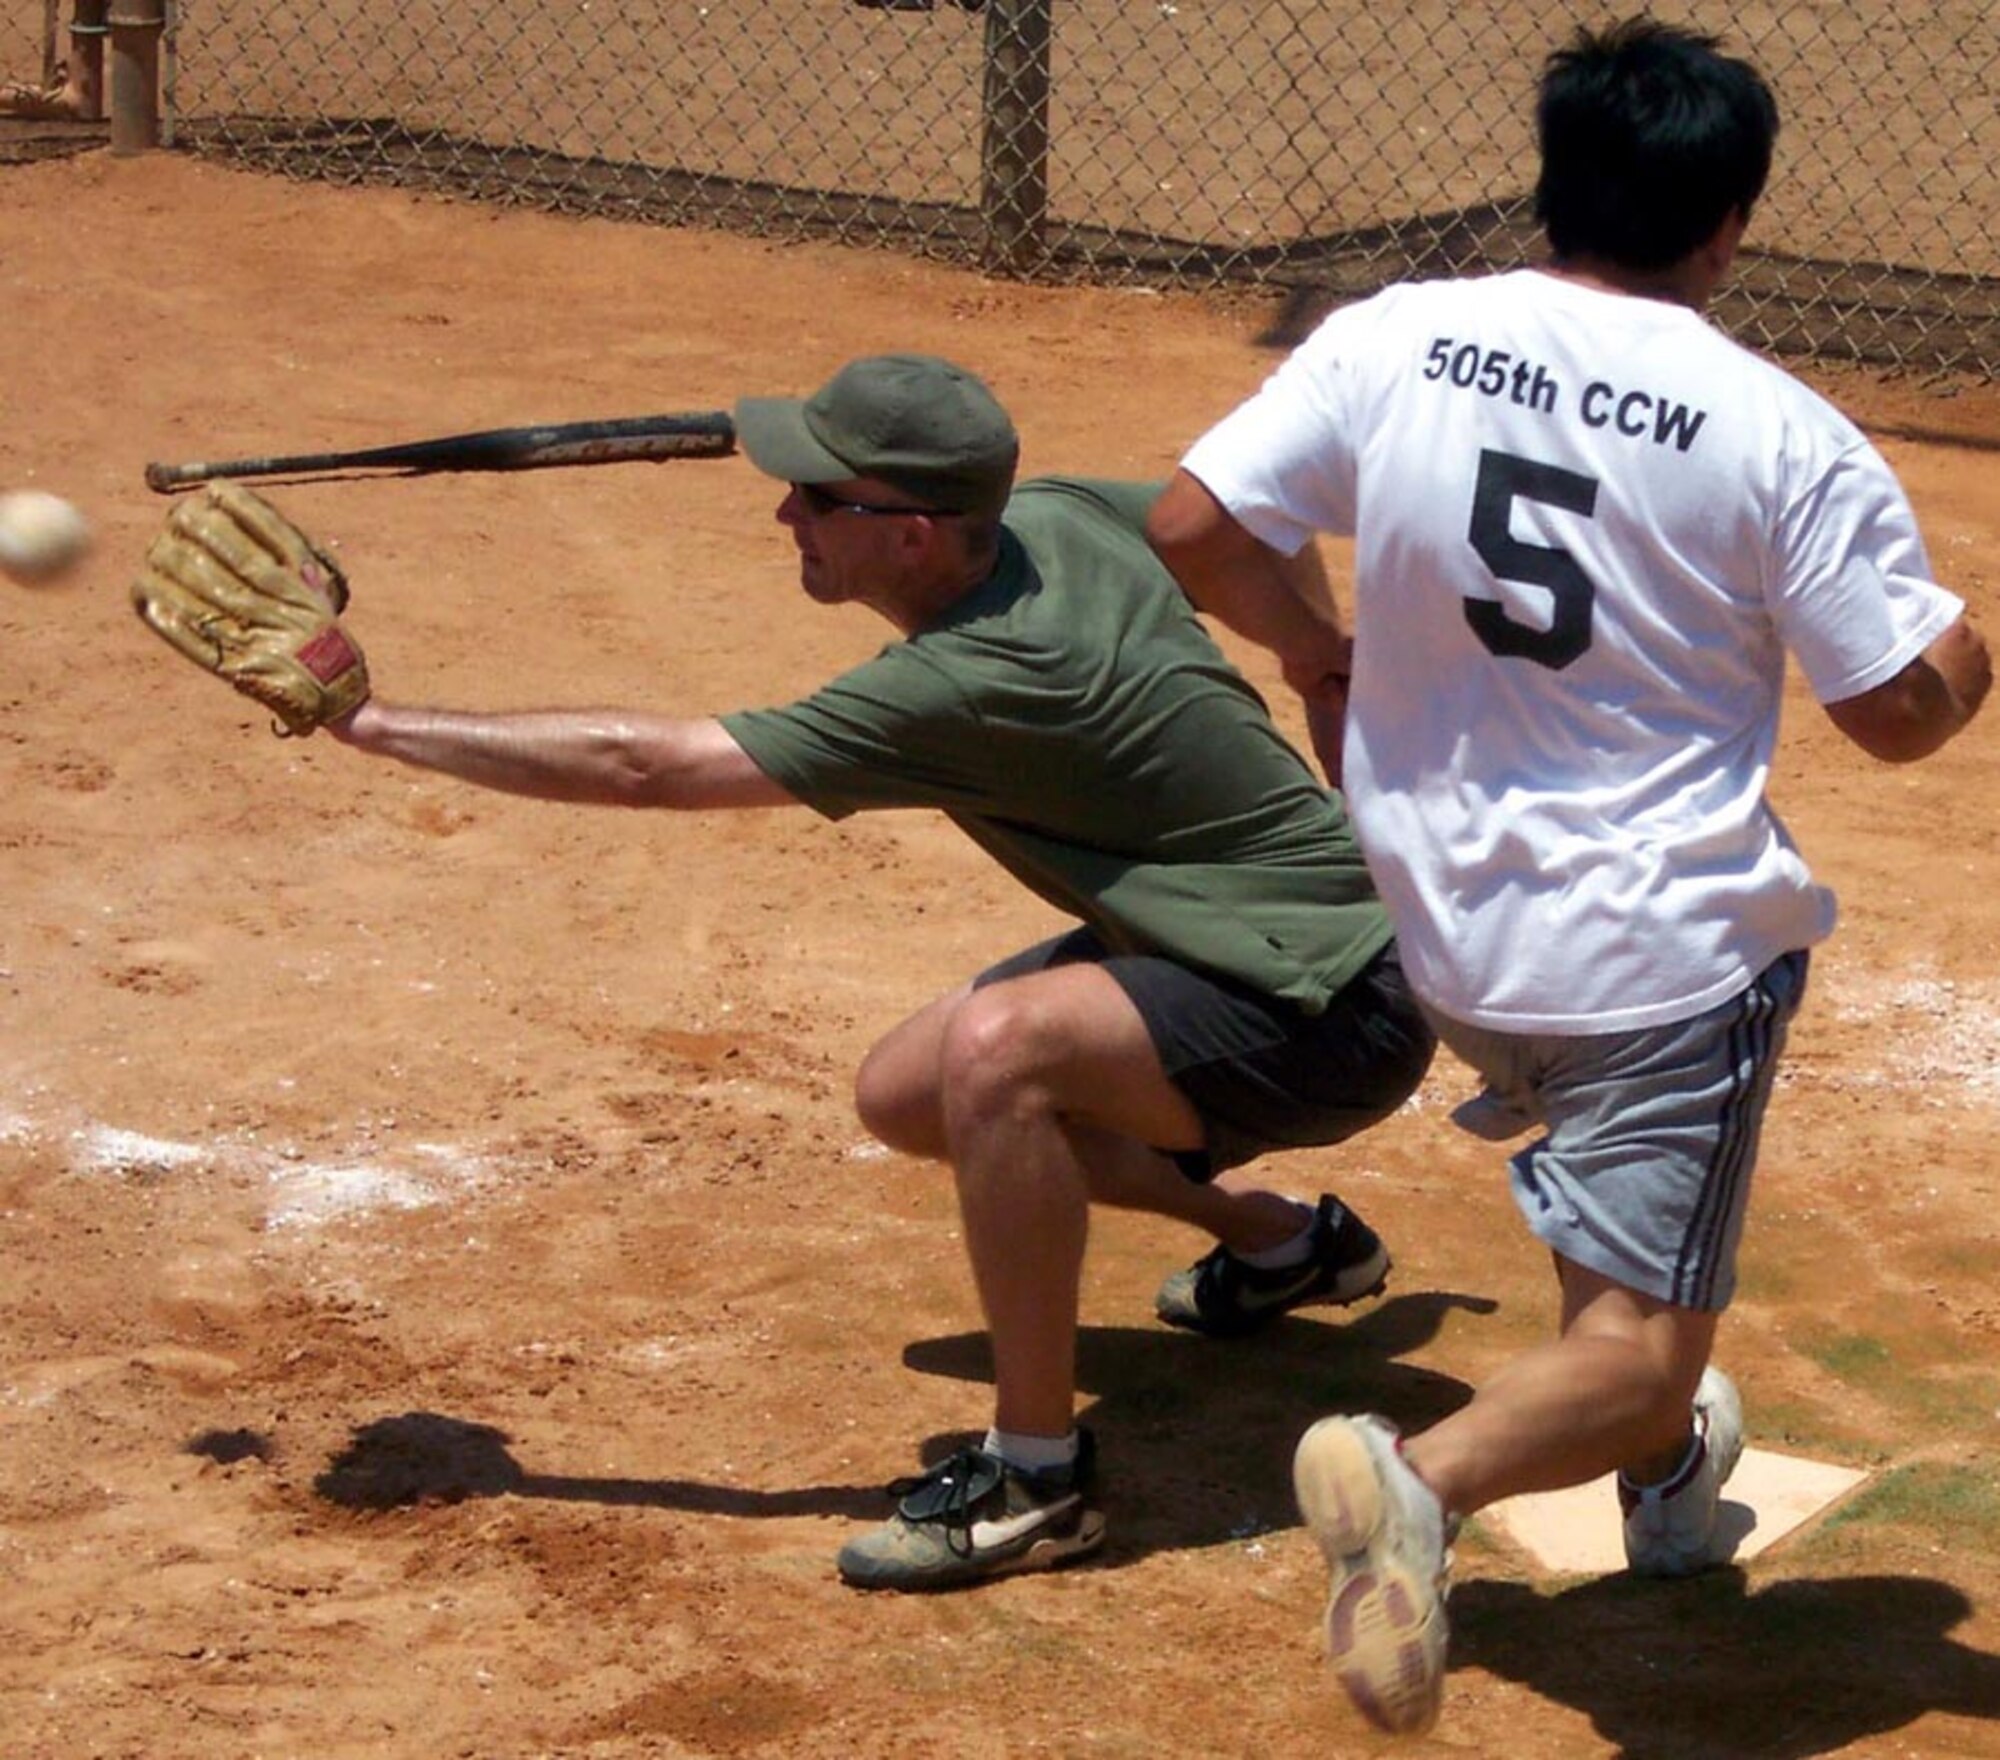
{"x": 1588, "y": 530}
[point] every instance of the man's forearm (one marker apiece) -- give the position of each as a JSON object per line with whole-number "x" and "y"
{"x": 600, "y": 757}
{"x": 1962, "y": 660}
{"x": 1926, "y": 704}
{"x": 1282, "y": 603}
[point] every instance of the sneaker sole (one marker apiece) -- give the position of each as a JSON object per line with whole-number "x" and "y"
{"x": 1377, "y": 1614}
{"x": 1370, "y": 1278}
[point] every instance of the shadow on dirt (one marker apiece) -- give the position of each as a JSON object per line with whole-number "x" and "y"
{"x": 1195, "y": 1435}
{"x": 426, "y": 1458}
{"x": 1710, "y": 1666}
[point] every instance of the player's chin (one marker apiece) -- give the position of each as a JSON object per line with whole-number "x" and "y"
{"x": 820, "y": 587}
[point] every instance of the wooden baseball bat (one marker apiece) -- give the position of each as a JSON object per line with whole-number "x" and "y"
{"x": 690, "y": 434}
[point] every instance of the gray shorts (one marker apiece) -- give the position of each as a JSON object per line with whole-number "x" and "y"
{"x": 1262, "y": 1074}
{"x": 1644, "y": 1175}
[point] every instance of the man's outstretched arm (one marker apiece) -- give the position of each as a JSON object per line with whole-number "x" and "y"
{"x": 601, "y": 757}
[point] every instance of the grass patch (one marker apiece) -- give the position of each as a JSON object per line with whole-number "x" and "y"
{"x": 1938, "y": 1387}
{"x": 1796, "y": 1427}
{"x": 1957, "y": 1507}
{"x": 1854, "y": 1357}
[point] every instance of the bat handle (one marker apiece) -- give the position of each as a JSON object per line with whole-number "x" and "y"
{"x": 163, "y": 478}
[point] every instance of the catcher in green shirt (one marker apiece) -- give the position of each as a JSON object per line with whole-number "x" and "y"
{"x": 1232, "y": 985}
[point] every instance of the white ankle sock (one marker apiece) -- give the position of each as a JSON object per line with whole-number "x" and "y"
{"x": 1294, "y": 1251}
{"x": 1683, "y": 1469}
{"x": 1032, "y": 1454}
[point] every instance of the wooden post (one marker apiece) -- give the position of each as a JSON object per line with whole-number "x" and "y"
{"x": 1014, "y": 148}
{"x": 136, "y": 28}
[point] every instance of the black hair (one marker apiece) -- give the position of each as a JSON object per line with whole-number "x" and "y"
{"x": 1650, "y": 139}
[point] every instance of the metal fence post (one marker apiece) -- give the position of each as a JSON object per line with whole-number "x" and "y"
{"x": 135, "y": 74}
{"x": 1014, "y": 148}
{"x": 87, "y": 31}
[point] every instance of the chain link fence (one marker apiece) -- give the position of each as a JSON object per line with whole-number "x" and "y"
{"x": 1314, "y": 152}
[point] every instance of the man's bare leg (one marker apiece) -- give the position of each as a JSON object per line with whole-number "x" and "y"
{"x": 1612, "y": 1390}
{"x": 1014, "y": 1085}
{"x": 898, "y": 1094}
{"x": 1033, "y": 1075}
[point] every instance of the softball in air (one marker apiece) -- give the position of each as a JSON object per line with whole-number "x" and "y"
{"x": 41, "y": 536}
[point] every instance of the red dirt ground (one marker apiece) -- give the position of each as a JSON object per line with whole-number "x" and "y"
{"x": 449, "y": 1307}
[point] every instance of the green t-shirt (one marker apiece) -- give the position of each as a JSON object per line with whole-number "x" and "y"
{"x": 1076, "y": 719}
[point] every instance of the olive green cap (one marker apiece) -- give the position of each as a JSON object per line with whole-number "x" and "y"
{"x": 924, "y": 426}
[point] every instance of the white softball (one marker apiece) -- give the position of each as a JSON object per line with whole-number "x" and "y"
{"x": 41, "y": 536}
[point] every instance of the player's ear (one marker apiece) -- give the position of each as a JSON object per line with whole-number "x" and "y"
{"x": 930, "y": 537}
{"x": 1726, "y": 240}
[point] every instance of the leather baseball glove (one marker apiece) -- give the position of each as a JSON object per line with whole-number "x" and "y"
{"x": 243, "y": 593}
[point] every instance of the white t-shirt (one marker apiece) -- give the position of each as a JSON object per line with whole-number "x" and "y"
{"x": 1588, "y": 529}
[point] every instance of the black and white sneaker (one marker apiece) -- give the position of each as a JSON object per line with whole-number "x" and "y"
{"x": 1224, "y": 1297}
{"x": 974, "y": 1516}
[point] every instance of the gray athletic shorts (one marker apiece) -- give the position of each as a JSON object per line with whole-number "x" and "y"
{"x": 1644, "y": 1175}
{"x": 1262, "y": 1074}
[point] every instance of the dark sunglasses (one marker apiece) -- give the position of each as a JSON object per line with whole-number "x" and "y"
{"x": 819, "y": 503}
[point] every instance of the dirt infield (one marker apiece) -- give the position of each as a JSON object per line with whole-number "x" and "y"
{"x": 448, "y": 1307}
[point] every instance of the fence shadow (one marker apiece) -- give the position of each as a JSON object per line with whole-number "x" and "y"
{"x": 1838, "y": 308}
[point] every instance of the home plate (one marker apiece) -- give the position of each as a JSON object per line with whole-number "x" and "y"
{"x": 1579, "y": 1529}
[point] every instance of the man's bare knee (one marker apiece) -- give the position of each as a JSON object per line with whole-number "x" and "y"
{"x": 994, "y": 1055}
{"x": 897, "y": 1105}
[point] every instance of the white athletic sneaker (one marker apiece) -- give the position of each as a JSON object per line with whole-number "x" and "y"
{"x": 1670, "y": 1527}
{"x": 1382, "y": 1532}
